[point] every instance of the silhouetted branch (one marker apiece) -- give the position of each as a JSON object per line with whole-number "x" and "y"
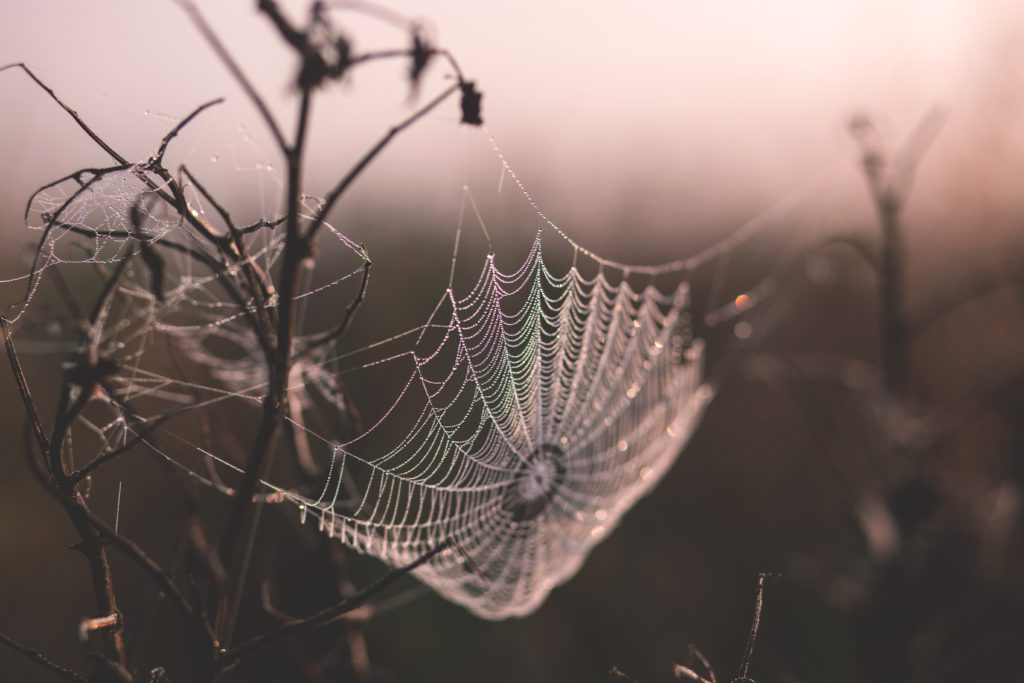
{"x": 41, "y": 660}
{"x": 335, "y": 194}
{"x": 346, "y": 319}
{"x": 71, "y": 112}
{"x": 755, "y": 626}
{"x": 236, "y": 71}
{"x": 158, "y": 159}
{"x": 943, "y": 301}
{"x": 328, "y": 615}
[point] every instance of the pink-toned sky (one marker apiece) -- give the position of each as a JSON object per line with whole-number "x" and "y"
{"x": 669, "y": 114}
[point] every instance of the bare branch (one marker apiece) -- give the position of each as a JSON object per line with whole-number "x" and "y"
{"x": 328, "y": 615}
{"x": 23, "y": 390}
{"x": 335, "y": 194}
{"x": 71, "y": 112}
{"x": 236, "y": 71}
{"x": 755, "y": 626}
{"x": 40, "y": 659}
{"x": 346, "y": 319}
{"x": 158, "y": 158}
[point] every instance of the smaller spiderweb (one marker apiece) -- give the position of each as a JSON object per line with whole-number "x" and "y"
{"x": 546, "y": 406}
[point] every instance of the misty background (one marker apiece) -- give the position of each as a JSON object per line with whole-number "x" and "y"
{"x": 647, "y": 130}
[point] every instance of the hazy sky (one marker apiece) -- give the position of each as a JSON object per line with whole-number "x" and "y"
{"x": 677, "y": 112}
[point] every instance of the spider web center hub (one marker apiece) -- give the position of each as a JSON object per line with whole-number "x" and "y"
{"x": 535, "y": 483}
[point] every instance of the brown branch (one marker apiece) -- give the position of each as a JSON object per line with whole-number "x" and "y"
{"x": 621, "y": 675}
{"x": 244, "y": 519}
{"x": 71, "y": 112}
{"x": 945, "y": 300}
{"x": 139, "y": 438}
{"x": 335, "y": 194}
{"x": 339, "y": 330}
{"x": 150, "y": 567}
{"x": 158, "y": 158}
{"x": 40, "y": 659}
{"x": 755, "y": 626}
{"x": 23, "y": 389}
{"x": 71, "y": 500}
{"x": 329, "y": 614}
{"x": 236, "y": 71}
{"x": 685, "y": 672}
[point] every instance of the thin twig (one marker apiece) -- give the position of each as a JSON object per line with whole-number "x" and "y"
{"x": 944, "y": 300}
{"x": 140, "y": 438}
{"x": 71, "y": 112}
{"x": 685, "y": 672}
{"x": 23, "y": 389}
{"x": 335, "y": 194}
{"x": 40, "y": 659}
{"x": 755, "y": 625}
{"x": 695, "y": 653}
{"x": 245, "y": 517}
{"x": 152, "y": 569}
{"x": 236, "y": 71}
{"x": 339, "y": 330}
{"x": 158, "y": 158}
{"x": 328, "y": 615}
{"x": 621, "y": 675}
{"x": 72, "y": 501}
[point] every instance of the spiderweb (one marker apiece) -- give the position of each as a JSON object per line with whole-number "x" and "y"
{"x": 533, "y": 408}
{"x": 549, "y": 404}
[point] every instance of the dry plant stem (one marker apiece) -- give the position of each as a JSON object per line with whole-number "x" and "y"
{"x": 67, "y": 493}
{"x": 23, "y": 389}
{"x": 88, "y": 626}
{"x": 236, "y": 72}
{"x": 78, "y": 512}
{"x": 621, "y": 675}
{"x": 141, "y": 437}
{"x": 40, "y": 659}
{"x": 328, "y": 615}
{"x": 153, "y": 570}
{"x": 894, "y": 327}
{"x": 245, "y": 518}
{"x": 346, "y": 319}
{"x": 216, "y": 268}
{"x": 258, "y": 281}
{"x": 71, "y": 112}
{"x": 755, "y": 625}
{"x": 140, "y": 558}
{"x": 945, "y": 300}
{"x": 686, "y": 673}
{"x": 158, "y": 158}
{"x": 888, "y": 190}
{"x": 695, "y": 653}
{"x": 271, "y": 314}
